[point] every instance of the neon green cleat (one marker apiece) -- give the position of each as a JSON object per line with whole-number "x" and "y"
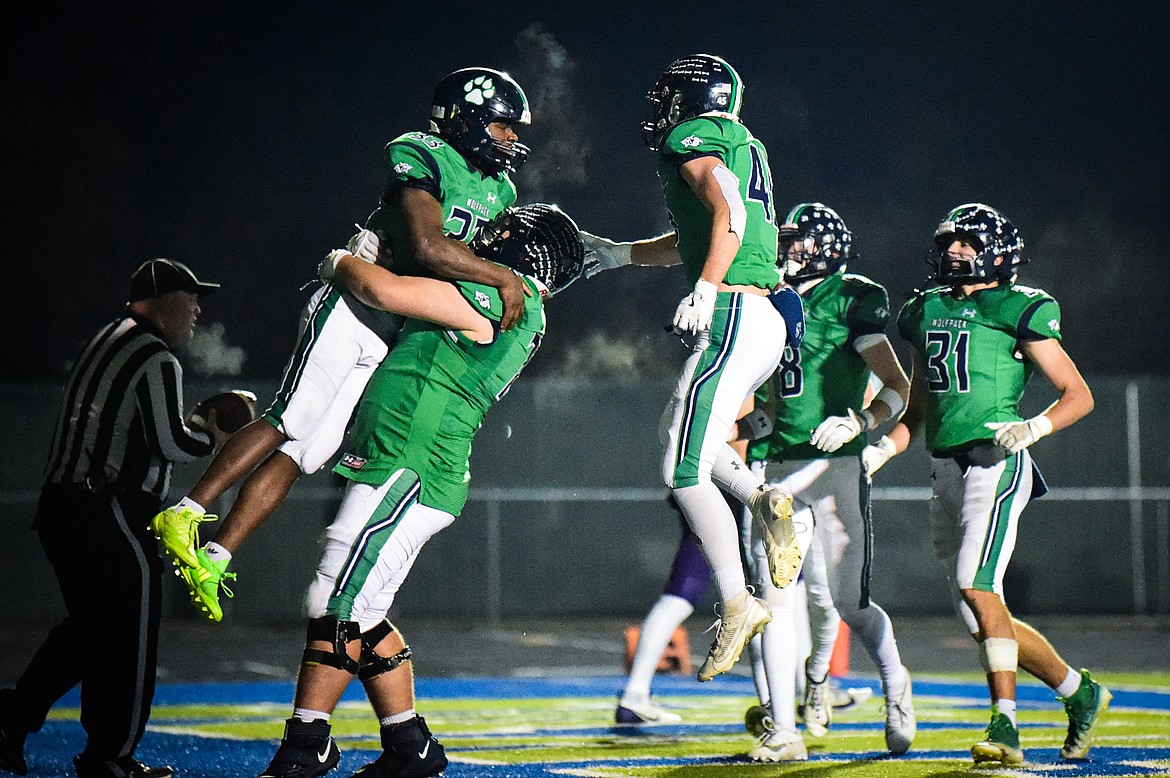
{"x": 1084, "y": 706}
{"x": 178, "y": 530}
{"x": 1000, "y": 744}
{"x": 205, "y": 580}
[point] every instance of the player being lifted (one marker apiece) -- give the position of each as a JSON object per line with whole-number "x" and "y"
{"x": 408, "y": 473}
{"x": 440, "y": 187}
{"x": 978, "y": 337}
{"x": 817, "y": 401}
{"x": 718, "y": 189}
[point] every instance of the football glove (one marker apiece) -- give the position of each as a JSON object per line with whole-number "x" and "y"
{"x": 364, "y": 245}
{"x": 1016, "y": 436}
{"x": 696, "y": 310}
{"x": 328, "y": 265}
{"x": 836, "y": 431}
{"x": 602, "y": 254}
{"x": 873, "y": 457}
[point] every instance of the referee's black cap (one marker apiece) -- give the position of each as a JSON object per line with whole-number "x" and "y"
{"x": 157, "y": 277}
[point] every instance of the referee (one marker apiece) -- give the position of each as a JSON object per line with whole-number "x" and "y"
{"x": 120, "y": 428}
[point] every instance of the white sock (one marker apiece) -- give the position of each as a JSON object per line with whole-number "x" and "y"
{"x": 1068, "y": 687}
{"x": 397, "y": 718}
{"x": 873, "y": 629}
{"x": 710, "y": 518}
{"x": 780, "y": 660}
{"x": 657, "y": 629}
{"x": 307, "y": 714}
{"x": 729, "y": 470}
{"x": 216, "y": 553}
{"x": 1007, "y": 708}
{"x": 187, "y": 502}
{"x": 759, "y": 674}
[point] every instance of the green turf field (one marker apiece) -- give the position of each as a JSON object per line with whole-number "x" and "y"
{"x": 514, "y": 727}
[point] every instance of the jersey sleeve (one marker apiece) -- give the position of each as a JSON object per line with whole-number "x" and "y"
{"x": 910, "y": 320}
{"x": 484, "y": 299}
{"x": 1040, "y": 320}
{"x": 700, "y": 137}
{"x": 410, "y": 163}
{"x": 868, "y": 312}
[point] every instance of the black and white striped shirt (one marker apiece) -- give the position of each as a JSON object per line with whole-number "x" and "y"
{"x": 121, "y": 421}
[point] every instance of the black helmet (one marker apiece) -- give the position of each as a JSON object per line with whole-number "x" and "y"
{"x": 537, "y": 240}
{"x": 694, "y": 85}
{"x": 992, "y": 236}
{"x": 826, "y": 242}
{"x": 466, "y": 102}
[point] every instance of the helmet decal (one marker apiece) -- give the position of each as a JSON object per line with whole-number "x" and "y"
{"x": 996, "y": 242}
{"x": 466, "y": 103}
{"x": 690, "y": 87}
{"x": 814, "y": 242}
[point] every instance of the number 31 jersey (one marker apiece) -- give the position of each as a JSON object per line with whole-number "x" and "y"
{"x": 974, "y": 371}
{"x": 743, "y": 155}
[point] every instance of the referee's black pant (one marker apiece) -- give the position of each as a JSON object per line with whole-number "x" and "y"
{"x": 109, "y": 569}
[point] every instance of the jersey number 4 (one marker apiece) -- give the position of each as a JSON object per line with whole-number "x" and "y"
{"x": 946, "y": 361}
{"x": 760, "y": 182}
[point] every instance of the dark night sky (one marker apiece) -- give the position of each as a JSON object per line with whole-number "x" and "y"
{"x": 246, "y": 144}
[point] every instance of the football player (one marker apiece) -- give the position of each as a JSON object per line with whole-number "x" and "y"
{"x": 441, "y": 186}
{"x": 817, "y": 400}
{"x": 977, "y": 338}
{"x": 408, "y": 472}
{"x": 718, "y": 189}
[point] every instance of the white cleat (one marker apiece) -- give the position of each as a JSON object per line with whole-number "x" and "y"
{"x": 630, "y": 711}
{"x": 901, "y": 725}
{"x": 817, "y": 710}
{"x": 779, "y": 746}
{"x": 772, "y": 514}
{"x": 743, "y": 616}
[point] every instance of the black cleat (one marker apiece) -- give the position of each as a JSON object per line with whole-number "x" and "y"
{"x": 306, "y": 751}
{"x": 409, "y": 750}
{"x": 127, "y": 767}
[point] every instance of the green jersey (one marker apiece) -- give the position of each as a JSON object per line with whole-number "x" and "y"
{"x": 730, "y": 141}
{"x": 975, "y": 372}
{"x": 467, "y": 196}
{"x": 826, "y": 377}
{"x": 427, "y": 399}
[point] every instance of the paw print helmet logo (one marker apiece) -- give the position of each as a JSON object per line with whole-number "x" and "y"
{"x": 466, "y": 102}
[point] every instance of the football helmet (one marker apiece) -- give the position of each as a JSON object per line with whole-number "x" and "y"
{"x": 691, "y": 86}
{"x": 466, "y": 102}
{"x": 992, "y": 236}
{"x": 537, "y": 240}
{"x": 821, "y": 241}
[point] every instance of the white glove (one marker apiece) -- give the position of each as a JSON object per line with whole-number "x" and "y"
{"x": 696, "y": 310}
{"x": 603, "y": 254}
{"x": 836, "y": 431}
{"x": 364, "y": 245}
{"x": 328, "y": 265}
{"x": 1016, "y": 436}
{"x": 873, "y": 457}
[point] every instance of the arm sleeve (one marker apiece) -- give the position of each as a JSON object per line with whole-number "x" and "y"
{"x": 160, "y": 401}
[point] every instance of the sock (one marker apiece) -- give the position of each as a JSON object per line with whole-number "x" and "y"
{"x": 397, "y": 718}
{"x": 759, "y": 674}
{"x": 217, "y": 553}
{"x": 873, "y": 629}
{"x": 1007, "y": 708}
{"x": 1068, "y": 687}
{"x": 729, "y": 470}
{"x": 187, "y": 502}
{"x": 779, "y": 646}
{"x": 657, "y": 629}
{"x": 306, "y": 715}
{"x": 710, "y": 518}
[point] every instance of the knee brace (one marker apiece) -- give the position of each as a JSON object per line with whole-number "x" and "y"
{"x": 339, "y": 633}
{"x": 999, "y": 655}
{"x": 373, "y": 664}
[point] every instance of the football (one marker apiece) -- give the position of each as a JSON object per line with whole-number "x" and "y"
{"x": 233, "y": 410}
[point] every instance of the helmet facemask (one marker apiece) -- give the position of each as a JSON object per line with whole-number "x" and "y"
{"x": 536, "y": 240}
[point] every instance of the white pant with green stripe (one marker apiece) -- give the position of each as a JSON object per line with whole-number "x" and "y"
{"x": 974, "y": 518}
{"x": 369, "y": 549}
